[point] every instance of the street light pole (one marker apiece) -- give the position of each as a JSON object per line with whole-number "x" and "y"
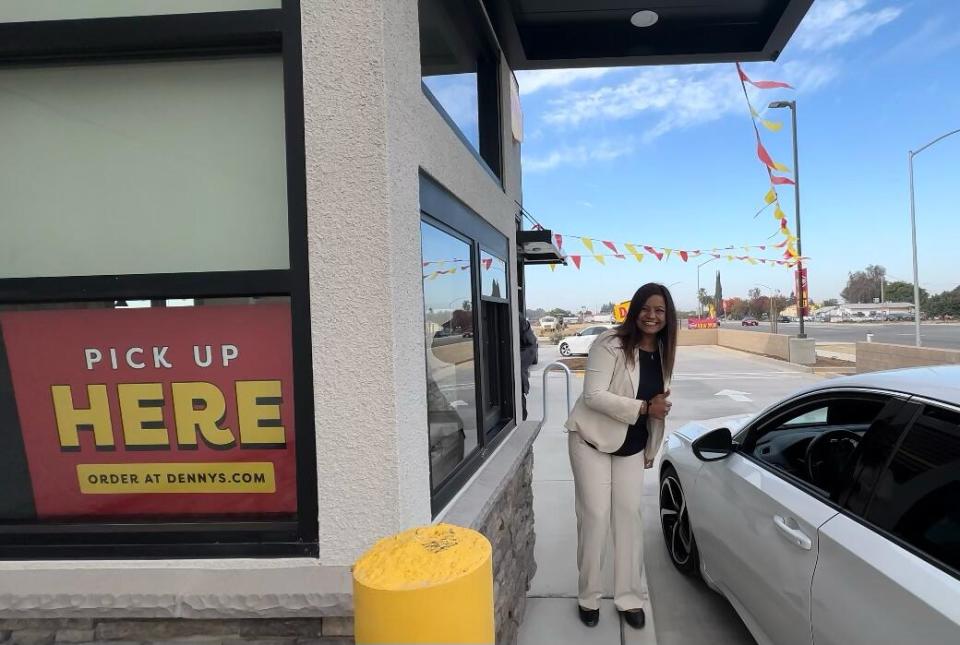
{"x": 913, "y": 231}
{"x": 796, "y": 195}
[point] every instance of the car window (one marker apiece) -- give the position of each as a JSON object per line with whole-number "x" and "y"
{"x": 917, "y": 498}
{"x": 817, "y": 440}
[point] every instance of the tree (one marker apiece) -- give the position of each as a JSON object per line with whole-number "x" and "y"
{"x": 900, "y": 291}
{"x": 559, "y": 313}
{"x": 864, "y": 286}
{"x": 737, "y": 307}
{"x": 705, "y": 300}
{"x": 607, "y": 308}
{"x": 943, "y": 304}
{"x": 830, "y": 302}
{"x": 754, "y": 293}
{"x": 718, "y": 296}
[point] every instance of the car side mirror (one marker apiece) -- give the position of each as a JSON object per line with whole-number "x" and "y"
{"x": 577, "y": 334}
{"x": 714, "y": 446}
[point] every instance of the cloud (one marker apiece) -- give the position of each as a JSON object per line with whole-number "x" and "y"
{"x": 832, "y": 23}
{"x": 534, "y": 80}
{"x": 679, "y": 97}
{"x": 584, "y": 203}
{"x": 933, "y": 39}
{"x": 602, "y": 150}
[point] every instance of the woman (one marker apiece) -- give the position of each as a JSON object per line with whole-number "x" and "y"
{"x": 616, "y": 428}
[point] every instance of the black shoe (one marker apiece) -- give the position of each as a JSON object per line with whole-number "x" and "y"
{"x": 589, "y": 617}
{"x": 635, "y": 618}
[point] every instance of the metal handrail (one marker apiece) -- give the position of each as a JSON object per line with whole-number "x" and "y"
{"x": 553, "y": 367}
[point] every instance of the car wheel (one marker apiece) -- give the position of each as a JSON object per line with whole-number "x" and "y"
{"x": 564, "y": 349}
{"x": 675, "y": 521}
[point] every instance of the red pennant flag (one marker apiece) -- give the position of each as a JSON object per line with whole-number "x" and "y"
{"x": 487, "y": 262}
{"x": 683, "y": 256}
{"x": 764, "y": 155}
{"x": 763, "y": 247}
{"x": 576, "y": 260}
{"x": 426, "y": 263}
{"x": 655, "y": 252}
{"x": 559, "y": 239}
{"x": 613, "y": 247}
{"x": 779, "y": 181}
{"x": 783, "y": 225}
{"x": 763, "y": 85}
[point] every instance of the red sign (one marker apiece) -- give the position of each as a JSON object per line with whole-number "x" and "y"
{"x": 702, "y": 323}
{"x": 803, "y": 292}
{"x": 153, "y": 412}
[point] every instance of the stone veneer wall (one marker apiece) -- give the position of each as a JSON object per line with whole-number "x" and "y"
{"x": 164, "y": 631}
{"x": 507, "y": 522}
{"x": 509, "y": 527}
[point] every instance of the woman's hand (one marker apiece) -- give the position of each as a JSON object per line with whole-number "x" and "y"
{"x": 647, "y": 463}
{"x": 659, "y": 406}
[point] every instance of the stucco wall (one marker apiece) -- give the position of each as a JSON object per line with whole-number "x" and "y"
{"x": 776, "y": 345}
{"x": 697, "y": 337}
{"x": 873, "y": 357}
{"x": 370, "y": 130}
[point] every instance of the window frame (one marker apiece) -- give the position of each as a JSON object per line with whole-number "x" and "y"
{"x": 745, "y": 440}
{"x": 917, "y": 404}
{"x": 183, "y": 37}
{"x": 488, "y": 55}
{"x": 441, "y": 209}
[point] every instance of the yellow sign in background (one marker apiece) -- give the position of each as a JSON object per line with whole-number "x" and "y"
{"x": 236, "y": 477}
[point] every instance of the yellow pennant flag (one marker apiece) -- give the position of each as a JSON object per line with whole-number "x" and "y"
{"x": 771, "y": 196}
{"x": 453, "y": 270}
{"x": 782, "y": 168}
{"x": 433, "y": 276}
{"x": 587, "y": 242}
{"x": 600, "y": 259}
{"x": 553, "y": 267}
{"x": 751, "y": 261}
{"x": 666, "y": 253}
{"x": 753, "y": 112}
{"x": 778, "y": 214}
{"x": 633, "y": 251}
{"x": 729, "y": 258}
{"x": 773, "y": 126}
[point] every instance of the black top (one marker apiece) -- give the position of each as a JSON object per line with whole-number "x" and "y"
{"x": 650, "y": 384}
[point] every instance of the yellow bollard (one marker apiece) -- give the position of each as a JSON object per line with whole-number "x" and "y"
{"x": 432, "y": 584}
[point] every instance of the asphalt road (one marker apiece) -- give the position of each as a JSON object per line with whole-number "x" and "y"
{"x": 942, "y": 335}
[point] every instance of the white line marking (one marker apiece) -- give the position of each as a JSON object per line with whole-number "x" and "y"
{"x": 735, "y": 395}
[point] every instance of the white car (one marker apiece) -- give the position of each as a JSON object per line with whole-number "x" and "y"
{"x": 580, "y": 342}
{"x": 832, "y": 517}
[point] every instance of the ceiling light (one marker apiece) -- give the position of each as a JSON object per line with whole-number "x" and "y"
{"x": 644, "y": 18}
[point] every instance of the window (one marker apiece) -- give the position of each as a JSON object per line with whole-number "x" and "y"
{"x": 154, "y": 296}
{"x": 817, "y": 440}
{"x": 183, "y": 170}
{"x": 451, "y": 354}
{"x": 917, "y": 498}
{"x": 460, "y": 64}
{"x": 30, "y": 10}
{"x": 468, "y": 331}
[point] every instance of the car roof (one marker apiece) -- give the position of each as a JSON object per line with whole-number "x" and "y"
{"x": 939, "y": 382}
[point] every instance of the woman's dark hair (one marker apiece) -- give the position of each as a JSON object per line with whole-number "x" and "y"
{"x": 630, "y": 335}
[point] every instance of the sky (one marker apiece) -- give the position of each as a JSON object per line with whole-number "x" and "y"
{"x": 667, "y": 156}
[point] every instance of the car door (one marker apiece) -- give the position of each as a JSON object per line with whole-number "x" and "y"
{"x": 581, "y": 344}
{"x": 756, "y": 514}
{"x": 889, "y": 567}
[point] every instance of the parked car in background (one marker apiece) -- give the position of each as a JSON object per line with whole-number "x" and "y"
{"x": 784, "y": 319}
{"x": 549, "y": 323}
{"x": 832, "y": 516}
{"x": 580, "y": 342}
{"x": 749, "y": 322}
{"x": 570, "y": 320}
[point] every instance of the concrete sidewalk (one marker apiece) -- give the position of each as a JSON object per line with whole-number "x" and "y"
{"x": 680, "y": 610}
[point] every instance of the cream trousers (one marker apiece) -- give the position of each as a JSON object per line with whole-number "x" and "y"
{"x": 604, "y": 483}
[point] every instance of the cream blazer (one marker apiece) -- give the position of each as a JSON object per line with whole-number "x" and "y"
{"x": 609, "y": 405}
